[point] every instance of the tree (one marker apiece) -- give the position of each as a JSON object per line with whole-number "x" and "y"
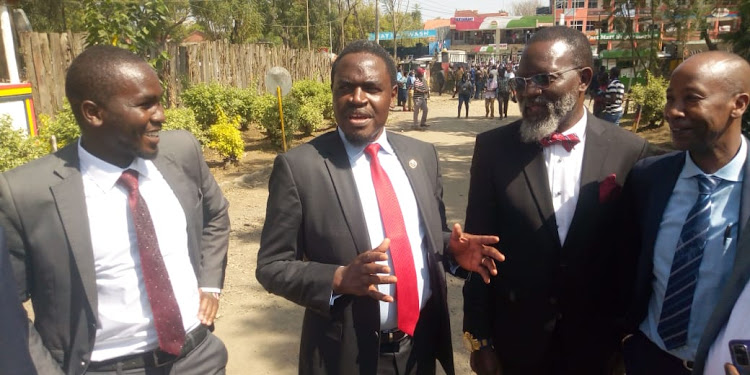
{"x": 525, "y": 7}
{"x": 393, "y": 10}
{"x": 236, "y": 20}
{"x": 740, "y": 40}
{"x": 54, "y": 15}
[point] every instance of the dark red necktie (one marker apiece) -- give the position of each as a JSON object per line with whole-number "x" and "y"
{"x": 567, "y": 141}
{"x": 167, "y": 317}
{"x": 407, "y": 296}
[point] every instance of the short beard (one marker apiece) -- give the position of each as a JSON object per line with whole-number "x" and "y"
{"x": 534, "y": 130}
{"x": 359, "y": 139}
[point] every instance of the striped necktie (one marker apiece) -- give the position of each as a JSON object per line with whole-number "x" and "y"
{"x": 678, "y": 299}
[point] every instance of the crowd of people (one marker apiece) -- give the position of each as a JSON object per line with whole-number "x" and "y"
{"x": 582, "y": 252}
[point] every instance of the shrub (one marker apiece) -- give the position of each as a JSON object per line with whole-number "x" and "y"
{"x": 63, "y": 126}
{"x": 184, "y": 118}
{"x": 266, "y": 115}
{"x": 203, "y": 100}
{"x": 651, "y": 97}
{"x": 314, "y": 101}
{"x": 16, "y": 148}
{"x": 224, "y": 136}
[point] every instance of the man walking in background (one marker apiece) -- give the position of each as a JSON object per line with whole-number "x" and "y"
{"x": 613, "y": 98}
{"x": 421, "y": 92}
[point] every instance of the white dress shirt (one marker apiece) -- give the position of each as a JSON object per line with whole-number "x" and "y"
{"x": 564, "y": 176}
{"x": 125, "y": 321}
{"x": 408, "y": 203}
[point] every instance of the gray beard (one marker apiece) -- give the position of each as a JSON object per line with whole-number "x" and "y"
{"x": 533, "y": 130}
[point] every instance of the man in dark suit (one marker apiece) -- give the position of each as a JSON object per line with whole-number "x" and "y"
{"x": 548, "y": 186}
{"x": 355, "y": 232}
{"x": 112, "y": 236}
{"x": 14, "y": 347}
{"x": 686, "y": 212}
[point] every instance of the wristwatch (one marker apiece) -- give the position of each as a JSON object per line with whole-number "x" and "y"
{"x": 473, "y": 344}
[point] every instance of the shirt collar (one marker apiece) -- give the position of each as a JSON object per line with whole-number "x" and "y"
{"x": 105, "y": 175}
{"x": 355, "y": 151}
{"x": 733, "y": 171}
{"x": 579, "y": 128}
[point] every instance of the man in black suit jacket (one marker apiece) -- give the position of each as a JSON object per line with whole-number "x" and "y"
{"x": 14, "y": 342}
{"x": 707, "y": 95}
{"x": 326, "y": 242}
{"x": 551, "y": 308}
{"x": 76, "y": 248}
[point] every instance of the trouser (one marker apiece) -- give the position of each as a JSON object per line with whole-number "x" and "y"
{"x": 420, "y": 103}
{"x": 643, "y": 357}
{"x": 463, "y": 98}
{"x": 502, "y": 103}
{"x": 489, "y": 107}
{"x": 613, "y": 117}
{"x": 401, "y": 97}
{"x": 410, "y": 100}
{"x": 208, "y": 358}
{"x": 479, "y": 90}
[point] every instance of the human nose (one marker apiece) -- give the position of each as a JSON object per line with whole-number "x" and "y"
{"x": 358, "y": 96}
{"x": 672, "y": 110}
{"x": 158, "y": 115}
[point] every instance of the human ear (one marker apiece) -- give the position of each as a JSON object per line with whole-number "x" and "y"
{"x": 586, "y": 75}
{"x": 91, "y": 113}
{"x": 740, "y": 104}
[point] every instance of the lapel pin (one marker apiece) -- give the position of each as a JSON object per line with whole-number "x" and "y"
{"x": 412, "y": 163}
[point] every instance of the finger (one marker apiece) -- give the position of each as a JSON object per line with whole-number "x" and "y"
{"x": 386, "y": 279}
{"x": 375, "y": 268}
{"x": 203, "y": 307}
{"x": 484, "y": 240}
{"x": 493, "y": 253}
{"x": 383, "y": 247}
{"x": 490, "y": 265}
{"x": 378, "y": 296}
{"x": 457, "y": 233}
{"x": 211, "y": 310}
{"x": 372, "y": 256}
{"x": 482, "y": 271}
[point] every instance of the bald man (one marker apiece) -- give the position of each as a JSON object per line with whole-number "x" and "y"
{"x": 687, "y": 212}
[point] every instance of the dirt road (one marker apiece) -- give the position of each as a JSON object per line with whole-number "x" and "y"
{"x": 261, "y": 330}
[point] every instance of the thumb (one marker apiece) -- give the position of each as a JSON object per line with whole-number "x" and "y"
{"x": 383, "y": 247}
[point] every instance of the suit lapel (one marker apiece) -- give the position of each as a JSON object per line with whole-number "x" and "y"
{"x": 745, "y": 200}
{"x": 71, "y": 207}
{"x": 419, "y": 183}
{"x": 535, "y": 173}
{"x": 594, "y": 159}
{"x": 339, "y": 168}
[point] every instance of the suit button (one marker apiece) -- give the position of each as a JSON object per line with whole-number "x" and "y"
{"x": 83, "y": 363}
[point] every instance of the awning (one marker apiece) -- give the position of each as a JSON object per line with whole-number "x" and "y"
{"x": 530, "y": 22}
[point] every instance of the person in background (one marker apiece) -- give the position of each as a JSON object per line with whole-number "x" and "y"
{"x": 421, "y": 93}
{"x": 440, "y": 81}
{"x": 600, "y": 92}
{"x": 686, "y": 212}
{"x": 505, "y": 90}
{"x": 465, "y": 90}
{"x": 410, "y": 91}
{"x": 490, "y": 92}
{"x": 401, "y": 79}
{"x": 479, "y": 82}
{"x": 613, "y": 99}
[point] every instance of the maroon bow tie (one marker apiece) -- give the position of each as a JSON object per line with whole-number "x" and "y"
{"x": 567, "y": 141}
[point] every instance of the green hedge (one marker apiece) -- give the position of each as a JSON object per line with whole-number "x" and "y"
{"x": 16, "y": 148}
{"x": 651, "y": 97}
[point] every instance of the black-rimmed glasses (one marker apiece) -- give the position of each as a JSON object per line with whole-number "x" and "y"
{"x": 541, "y": 80}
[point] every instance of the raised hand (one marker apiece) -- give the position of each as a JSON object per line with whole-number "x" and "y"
{"x": 473, "y": 253}
{"x": 363, "y": 274}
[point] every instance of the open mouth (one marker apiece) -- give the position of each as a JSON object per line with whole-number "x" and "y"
{"x": 359, "y": 117}
{"x": 152, "y": 134}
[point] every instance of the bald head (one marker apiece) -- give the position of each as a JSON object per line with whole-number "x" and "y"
{"x": 731, "y": 71}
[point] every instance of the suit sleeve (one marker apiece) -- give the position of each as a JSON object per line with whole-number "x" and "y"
{"x": 9, "y": 220}
{"x": 282, "y": 269}
{"x": 215, "y": 236}
{"x": 481, "y": 212}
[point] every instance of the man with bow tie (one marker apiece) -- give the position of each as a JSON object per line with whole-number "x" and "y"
{"x": 548, "y": 186}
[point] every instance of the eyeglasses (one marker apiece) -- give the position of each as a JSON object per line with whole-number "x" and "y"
{"x": 541, "y": 80}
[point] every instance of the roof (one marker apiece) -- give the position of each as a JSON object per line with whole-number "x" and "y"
{"x": 497, "y": 22}
{"x": 528, "y": 22}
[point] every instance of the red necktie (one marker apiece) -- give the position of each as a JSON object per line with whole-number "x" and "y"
{"x": 567, "y": 141}
{"x": 167, "y": 317}
{"x": 407, "y": 297}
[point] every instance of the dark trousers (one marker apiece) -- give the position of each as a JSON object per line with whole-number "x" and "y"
{"x": 208, "y": 358}
{"x": 643, "y": 357}
{"x": 463, "y": 98}
{"x": 502, "y": 100}
{"x": 407, "y": 358}
{"x": 401, "y": 97}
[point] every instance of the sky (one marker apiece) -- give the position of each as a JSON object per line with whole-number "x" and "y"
{"x": 445, "y": 8}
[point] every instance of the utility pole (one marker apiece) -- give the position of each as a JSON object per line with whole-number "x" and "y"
{"x": 307, "y": 3}
{"x": 330, "y": 29}
{"x": 377, "y": 22}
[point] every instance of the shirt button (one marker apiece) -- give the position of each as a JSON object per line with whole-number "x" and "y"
{"x": 558, "y": 194}
{"x": 559, "y": 160}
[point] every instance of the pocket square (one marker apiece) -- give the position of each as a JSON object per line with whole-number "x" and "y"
{"x": 609, "y": 189}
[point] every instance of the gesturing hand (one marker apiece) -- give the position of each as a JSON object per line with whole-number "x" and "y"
{"x": 209, "y": 305}
{"x": 361, "y": 276}
{"x": 473, "y": 254}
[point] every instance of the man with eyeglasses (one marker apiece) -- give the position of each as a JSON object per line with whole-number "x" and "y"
{"x": 548, "y": 186}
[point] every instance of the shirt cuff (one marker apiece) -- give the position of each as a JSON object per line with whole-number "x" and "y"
{"x": 211, "y": 290}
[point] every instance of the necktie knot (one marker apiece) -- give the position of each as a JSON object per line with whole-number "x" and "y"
{"x": 707, "y": 184}
{"x": 567, "y": 141}
{"x": 129, "y": 179}
{"x": 372, "y": 150}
